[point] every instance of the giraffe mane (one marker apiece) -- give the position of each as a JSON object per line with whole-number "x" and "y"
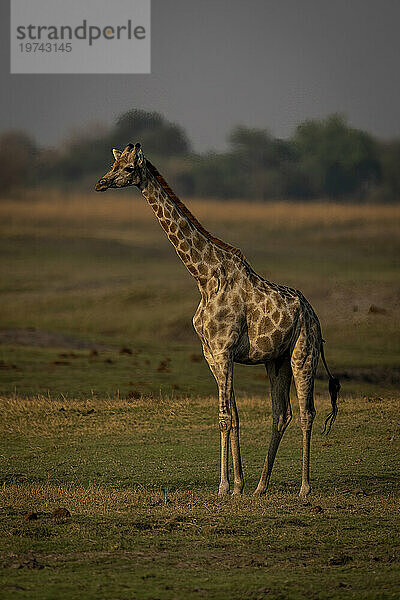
{"x": 184, "y": 209}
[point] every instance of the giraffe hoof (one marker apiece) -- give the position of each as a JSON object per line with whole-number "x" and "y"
{"x": 237, "y": 493}
{"x": 258, "y": 493}
{"x": 223, "y": 491}
{"x": 304, "y": 491}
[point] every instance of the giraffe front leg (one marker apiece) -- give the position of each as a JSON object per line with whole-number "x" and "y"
{"x": 222, "y": 369}
{"x": 224, "y": 427}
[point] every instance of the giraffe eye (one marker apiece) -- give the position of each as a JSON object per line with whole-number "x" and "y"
{"x": 128, "y": 169}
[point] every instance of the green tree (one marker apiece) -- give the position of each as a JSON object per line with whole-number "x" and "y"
{"x": 157, "y": 135}
{"x": 263, "y": 162}
{"x": 216, "y": 176}
{"x": 18, "y": 160}
{"x": 338, "y": 160}
{"x": 390, "y": 160}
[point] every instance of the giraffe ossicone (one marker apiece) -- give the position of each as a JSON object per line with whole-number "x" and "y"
{"x": 241, "y": 318}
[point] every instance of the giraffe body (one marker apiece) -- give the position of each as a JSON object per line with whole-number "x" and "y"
{"x": 258, "y": 321}
{"x": 241, "y": 318}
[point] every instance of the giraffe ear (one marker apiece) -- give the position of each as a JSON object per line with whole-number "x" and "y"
{"x": 116, "y": 153}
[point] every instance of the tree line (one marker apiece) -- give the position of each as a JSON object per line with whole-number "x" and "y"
{"x": 324, "y": 158}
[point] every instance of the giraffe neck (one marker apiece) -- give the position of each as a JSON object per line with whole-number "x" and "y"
{"x": 199, "y": 251}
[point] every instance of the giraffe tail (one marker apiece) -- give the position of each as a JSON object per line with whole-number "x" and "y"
{"x": 334, "y": 387}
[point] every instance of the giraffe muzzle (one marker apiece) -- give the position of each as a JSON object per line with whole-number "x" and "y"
{"x": 101, "y": 186}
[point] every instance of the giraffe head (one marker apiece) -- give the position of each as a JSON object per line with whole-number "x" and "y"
{"x": 129, "y": 168}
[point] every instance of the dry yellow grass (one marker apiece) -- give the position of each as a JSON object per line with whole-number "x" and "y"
{"x": 45, "y": 415}
{"x": 44, "y": 207}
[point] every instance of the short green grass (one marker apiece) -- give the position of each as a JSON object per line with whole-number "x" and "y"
{"x": 109, "y": 410}
{"x": 139, "y": 478}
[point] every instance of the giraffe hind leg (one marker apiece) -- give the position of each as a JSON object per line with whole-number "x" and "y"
{"x": 280, "y": 376}
{"x": 304, "y": 363}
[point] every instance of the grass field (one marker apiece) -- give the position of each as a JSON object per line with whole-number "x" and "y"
{"x": 109, "y": 411}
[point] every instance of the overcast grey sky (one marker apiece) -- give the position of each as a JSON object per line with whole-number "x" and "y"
{"x": 218, "y": 63}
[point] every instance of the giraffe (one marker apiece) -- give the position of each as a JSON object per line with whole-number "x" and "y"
{"x": 241, "y": 318}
